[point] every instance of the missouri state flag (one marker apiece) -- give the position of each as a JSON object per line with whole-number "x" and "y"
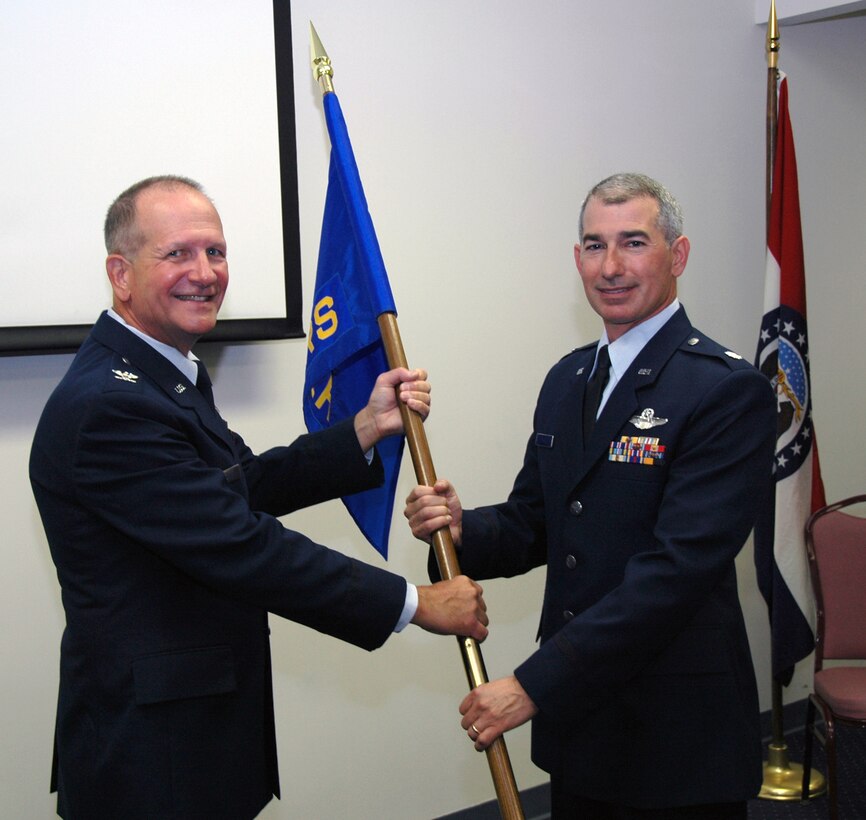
{"x": 783, "y": 356}
{"x": 345, "y": 352}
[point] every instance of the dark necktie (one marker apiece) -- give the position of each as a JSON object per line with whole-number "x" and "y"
{"x": 203, "y": 383}
{"x": 594, "y": 390}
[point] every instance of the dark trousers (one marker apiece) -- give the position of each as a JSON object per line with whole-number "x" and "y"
{"x": 565, "y": 806}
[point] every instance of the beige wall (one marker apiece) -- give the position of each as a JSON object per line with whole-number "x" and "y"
{"x": 477, "y": 128}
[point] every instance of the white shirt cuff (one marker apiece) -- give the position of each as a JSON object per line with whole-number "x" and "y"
{"x": 410, "y": 607}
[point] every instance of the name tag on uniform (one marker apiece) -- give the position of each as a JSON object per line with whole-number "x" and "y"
{"x": 544, "y": 440}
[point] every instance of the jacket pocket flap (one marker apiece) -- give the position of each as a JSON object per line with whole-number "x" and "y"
{"x": 190, "y": 673}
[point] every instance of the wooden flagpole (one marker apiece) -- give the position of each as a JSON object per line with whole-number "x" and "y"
{"x": 504, "y": 783}
{"x": 446, "y": 557}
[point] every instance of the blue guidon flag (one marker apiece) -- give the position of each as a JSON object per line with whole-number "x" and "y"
{"x": 345, "y": 352}
{"x": 783, "y": 356}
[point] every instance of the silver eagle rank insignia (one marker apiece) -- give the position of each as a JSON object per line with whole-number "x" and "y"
{"x": 125, "y": 376}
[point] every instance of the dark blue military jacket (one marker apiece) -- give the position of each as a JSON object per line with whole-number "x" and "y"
{"x": 161, "y": 523}
{"x": 644, "y": 678}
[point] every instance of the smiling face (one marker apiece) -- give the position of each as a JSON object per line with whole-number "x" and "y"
{"x": 629, "y": 271}
{"x": 172, "y": 286}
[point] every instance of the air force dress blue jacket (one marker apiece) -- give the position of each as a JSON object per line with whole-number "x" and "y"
{"x": 643, "y": 678}
{"x": 161, "y": 523}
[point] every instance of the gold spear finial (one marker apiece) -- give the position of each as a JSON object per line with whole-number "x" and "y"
{"x": 773, "y": 39}
{"x": 322, "y": 71}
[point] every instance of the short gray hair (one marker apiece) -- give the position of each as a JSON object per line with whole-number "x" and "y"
{"x": 621, "y": 188}
{"x": 122, "y": 234}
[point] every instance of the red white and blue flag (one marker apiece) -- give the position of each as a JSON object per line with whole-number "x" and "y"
{"x": 783, "y": 356}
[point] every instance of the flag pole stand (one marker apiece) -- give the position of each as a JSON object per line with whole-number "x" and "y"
{"x": 783, "y": 780}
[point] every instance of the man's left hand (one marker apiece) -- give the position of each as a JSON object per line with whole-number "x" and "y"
{"x": 493, "y": 708}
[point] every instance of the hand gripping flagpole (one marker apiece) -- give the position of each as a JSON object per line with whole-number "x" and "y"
{"x": 443, "y": 545}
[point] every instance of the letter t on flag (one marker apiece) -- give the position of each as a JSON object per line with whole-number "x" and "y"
{"x": 783, "y": 356}
{"x": 345, "y": 353}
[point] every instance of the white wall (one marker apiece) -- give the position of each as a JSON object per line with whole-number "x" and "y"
{"x": 802, "y": 11}
{"x": 477, "y": 128}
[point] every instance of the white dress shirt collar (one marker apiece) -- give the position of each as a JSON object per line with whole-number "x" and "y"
{"x": 188, "y": 365}
{"x": 627, "y": 347}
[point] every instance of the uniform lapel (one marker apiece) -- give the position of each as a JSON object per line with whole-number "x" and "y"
{"x": 137, "y": 353}
{"x": 570, "y": 411}
{"x": 625, "y": 400}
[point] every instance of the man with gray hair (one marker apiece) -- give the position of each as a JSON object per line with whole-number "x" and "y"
{"x": 649, "y": 454}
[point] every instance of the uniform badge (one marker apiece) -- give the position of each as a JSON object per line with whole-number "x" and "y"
{"x": 732, "y": 354}
{"x": 125, "y": 376}
{"x": 637, "y": 450}
{"x": 179, "y": 387}
{"x": 647, "y": 420}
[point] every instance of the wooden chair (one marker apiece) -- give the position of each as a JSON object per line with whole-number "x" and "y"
{"x": 836, "y": 545}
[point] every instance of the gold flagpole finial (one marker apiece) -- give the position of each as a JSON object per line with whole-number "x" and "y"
{"x": 773, "y": 38}
{"x": 322, "y": 71}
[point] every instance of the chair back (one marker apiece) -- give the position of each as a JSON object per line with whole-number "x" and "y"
{"x": 836, "y": 544}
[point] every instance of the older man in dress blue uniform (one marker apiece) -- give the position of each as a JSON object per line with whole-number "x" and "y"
{"x": 162, "y": 524}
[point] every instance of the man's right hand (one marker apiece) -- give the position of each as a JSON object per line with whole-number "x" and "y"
{"x": 454, "y": 607}
{"x": 431, "y": 508}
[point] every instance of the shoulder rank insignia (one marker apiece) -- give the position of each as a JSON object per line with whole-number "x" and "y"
{"x": 647, "y": 420}
{"x": 125, "y": 376}
{"x": 732, "y": 354}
